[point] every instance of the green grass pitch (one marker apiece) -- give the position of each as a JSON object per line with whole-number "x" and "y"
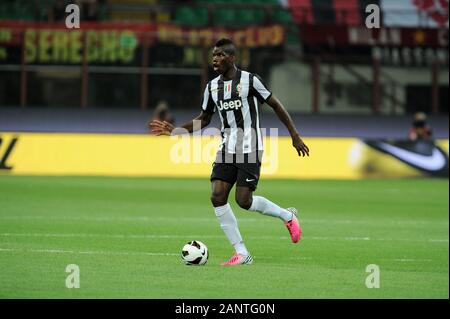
{"x": 126, "y": 234}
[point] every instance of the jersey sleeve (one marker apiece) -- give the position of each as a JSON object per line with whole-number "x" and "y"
{"x": 208, "y": 105}
{"x": 260, "y": 90}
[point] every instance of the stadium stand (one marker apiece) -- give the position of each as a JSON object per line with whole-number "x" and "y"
{"x": 200, "y": 13}
{"x": 299, "y": 18}
{"x": 191, "y": 16}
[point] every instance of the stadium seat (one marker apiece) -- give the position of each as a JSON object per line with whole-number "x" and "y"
{"x": 129, "y": 15}
{"x": 249, "y": 16}
{"x": 44, "y": 8}
{"x": 18, "y": 10}
{"x": 132, "y": 2}
{"x": 185, "y": 15}
{"x": 191, "y": 16}
{"x": 262, "y": 2}
{"x": 282, "y": 16}
{"x": 225, "y": 17}
{"x": 234, "y": 1}
{"x": 214, "y": 1}
{"x": 202, "y": 16}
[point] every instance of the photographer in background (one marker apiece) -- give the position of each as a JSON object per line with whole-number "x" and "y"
{"x": 420, "y": 130}
{"x": 162, "y": 113}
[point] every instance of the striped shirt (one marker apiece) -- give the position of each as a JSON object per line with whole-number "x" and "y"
{"x": 237, "y": 103}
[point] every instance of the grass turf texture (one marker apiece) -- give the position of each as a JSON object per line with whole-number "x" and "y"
{"x": 126, "y": 235}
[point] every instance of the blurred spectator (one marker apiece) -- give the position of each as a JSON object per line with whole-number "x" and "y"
{"x": 90, "y": 9}
{"x": 162, "y": 113}
{"x": 57, "y": 13}
{"x": 420, "y": 130}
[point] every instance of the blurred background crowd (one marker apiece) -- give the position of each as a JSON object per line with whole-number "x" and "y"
{"x": 318, "y": 56}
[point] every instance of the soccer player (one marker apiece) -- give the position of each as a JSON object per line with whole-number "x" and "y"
{"x": 236, "y": 95}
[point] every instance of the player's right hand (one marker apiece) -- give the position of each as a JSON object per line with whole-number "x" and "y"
{"x": 160, "y": 127}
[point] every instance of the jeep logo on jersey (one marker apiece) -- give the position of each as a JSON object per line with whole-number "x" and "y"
{"x": 231, "y": 105}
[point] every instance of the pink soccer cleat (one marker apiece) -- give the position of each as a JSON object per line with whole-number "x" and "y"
{"x": 238, "y": 259}
{"x": 294, "y": 226}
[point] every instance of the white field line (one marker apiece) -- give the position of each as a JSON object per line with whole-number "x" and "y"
{"x": 438, "y": 240}
{"x": 164, "y": 236}
{"x": 62, "y": 251}
{"x": 82, "y": 235}
{"x": 122, "y": 253}
{"x": 212, "y": 219}
{"x": 411, "y": 260}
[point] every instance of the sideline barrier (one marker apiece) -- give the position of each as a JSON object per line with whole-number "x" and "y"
{"x": 186, "y": 156}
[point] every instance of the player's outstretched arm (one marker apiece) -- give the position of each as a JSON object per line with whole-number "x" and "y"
{"x": 284, "y": 116}
{"x": 165, "y": 128}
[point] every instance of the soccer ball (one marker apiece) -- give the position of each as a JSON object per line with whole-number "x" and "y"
{"x": 195, "y": 253}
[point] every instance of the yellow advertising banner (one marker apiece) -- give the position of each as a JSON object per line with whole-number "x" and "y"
{"x": 192, "y": 156}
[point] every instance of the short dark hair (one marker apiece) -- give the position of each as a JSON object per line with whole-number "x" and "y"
{"x": 227, "y": 46}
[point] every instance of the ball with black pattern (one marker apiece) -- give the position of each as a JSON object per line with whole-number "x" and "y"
{"x": 195, "y": 253}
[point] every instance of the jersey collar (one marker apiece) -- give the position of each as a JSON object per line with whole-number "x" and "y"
{"x": 236, "y": 76}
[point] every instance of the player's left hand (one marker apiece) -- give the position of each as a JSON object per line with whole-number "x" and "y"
{"x": 300, "y": 146}
{"x": 160, "y": 127}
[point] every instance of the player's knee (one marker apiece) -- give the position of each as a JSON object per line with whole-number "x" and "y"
{"x": 218, "y": 199}
{"x": 244, "y": 202}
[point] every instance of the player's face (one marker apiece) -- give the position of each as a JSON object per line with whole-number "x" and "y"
{"x": 222, "y": 61}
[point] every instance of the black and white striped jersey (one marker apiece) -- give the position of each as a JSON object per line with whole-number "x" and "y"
{"x": 237, "y": 102}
